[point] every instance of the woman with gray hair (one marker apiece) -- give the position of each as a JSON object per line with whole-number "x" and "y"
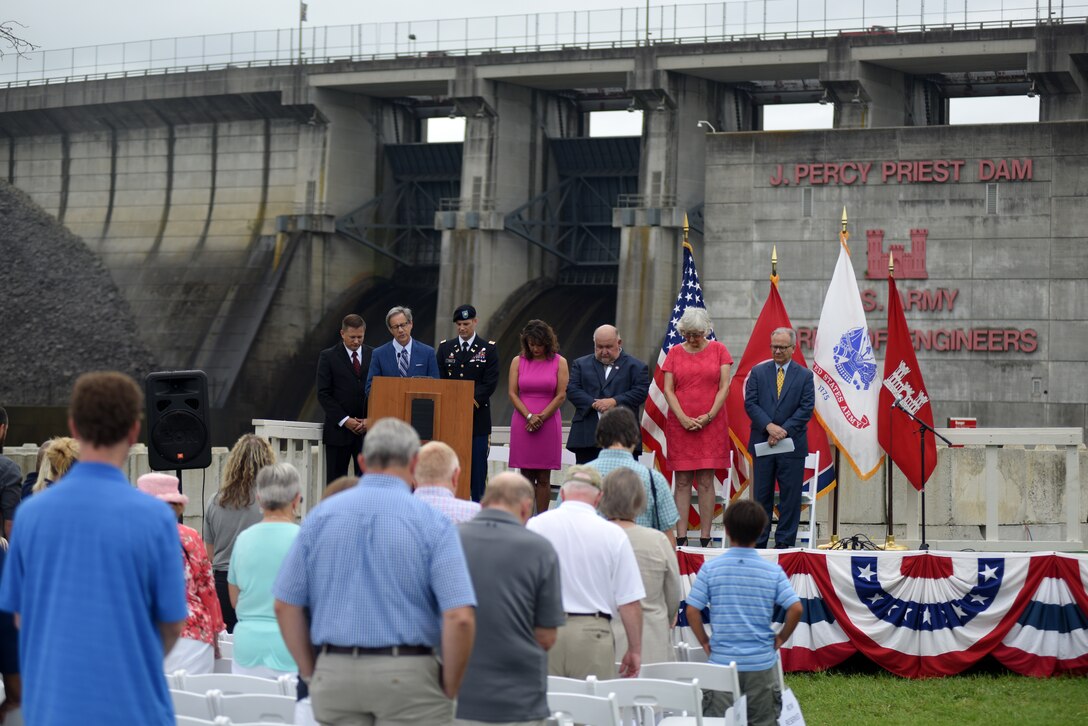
{"x": 258, "y": 552}
{"x": 696, "y": 431}
{"x": 623, "y": 497}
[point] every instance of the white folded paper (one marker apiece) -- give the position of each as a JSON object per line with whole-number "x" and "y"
{"x": 784, "y": 446}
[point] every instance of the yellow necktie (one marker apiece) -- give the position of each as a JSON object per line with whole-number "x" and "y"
{"x": 781, "y": 380}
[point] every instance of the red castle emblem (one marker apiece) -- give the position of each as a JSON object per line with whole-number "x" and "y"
{"x": 908, "y": 265}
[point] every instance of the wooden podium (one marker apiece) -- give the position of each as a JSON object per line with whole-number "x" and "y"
{"x": 439, "y": 410}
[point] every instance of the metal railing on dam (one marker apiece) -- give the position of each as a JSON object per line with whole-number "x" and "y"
{"x": 726, "y": 21}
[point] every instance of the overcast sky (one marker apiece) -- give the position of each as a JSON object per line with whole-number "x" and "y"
{"x": 58, "y": 24}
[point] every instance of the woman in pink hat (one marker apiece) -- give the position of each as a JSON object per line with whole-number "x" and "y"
{"x": 198, "y": 646}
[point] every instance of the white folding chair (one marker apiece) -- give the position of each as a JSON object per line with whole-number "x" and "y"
{"x": 289, "y": 685}
{"x": 253, "y": 707}
{"x": 809, "y": 488}
{"x": 229, "y": 684}
{"x": 559, "y": 684}
{"x": 226, "y": 649}
{"x": 190, "y": 721}
{"x": 644, "y": 698}
{"x": 711, "y": 677}
{"x": 222, "y": 665}
{"x": 191, "y": 705}
{"x": 694, "y": 654}
{"x": 581, "y": 709}
{"x": 173, "y": 680}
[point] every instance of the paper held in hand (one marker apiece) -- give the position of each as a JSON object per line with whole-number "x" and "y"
{"x": 784, "y": 446}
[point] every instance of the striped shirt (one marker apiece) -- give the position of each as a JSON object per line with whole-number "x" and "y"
{"x": 611, "y": 459}
{"x": 742, "y": 590}
{"x": 376, "y": 567}
{"x": 442, "y": 499}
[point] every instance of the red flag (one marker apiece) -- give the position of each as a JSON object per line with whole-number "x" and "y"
{"x": 897, "y": 433}
{"x": 758, "y": 350}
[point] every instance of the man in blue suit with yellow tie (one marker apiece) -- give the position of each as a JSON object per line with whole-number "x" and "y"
{"x": 779, "y": 397}
{"x": 403, "y": 356}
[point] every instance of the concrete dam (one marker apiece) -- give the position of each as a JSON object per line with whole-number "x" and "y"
{"x": 241, "y": 210}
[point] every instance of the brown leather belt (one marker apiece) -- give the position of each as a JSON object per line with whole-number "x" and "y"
{"x": 603, "y": 616}
{"x": 392, "y": 650}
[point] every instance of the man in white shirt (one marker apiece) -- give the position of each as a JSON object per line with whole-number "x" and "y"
{"x": 600, "y": 579}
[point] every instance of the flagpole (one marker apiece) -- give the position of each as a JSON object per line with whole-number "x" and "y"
{"x": 889, "y": 537}
{"x": 844, "y": 235}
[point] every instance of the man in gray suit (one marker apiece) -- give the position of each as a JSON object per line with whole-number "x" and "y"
{"x": 600, "y": 382}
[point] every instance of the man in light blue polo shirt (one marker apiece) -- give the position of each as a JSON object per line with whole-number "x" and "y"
{"x": 742, "y": 590}
{"x": 384, "y": 577}
{"x": 95, "y": 576}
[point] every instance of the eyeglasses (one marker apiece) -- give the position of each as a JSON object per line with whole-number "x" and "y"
{"x": 781, "y": 347}
{"x": 692, "y": 334}
{"x": 401, "y": 326}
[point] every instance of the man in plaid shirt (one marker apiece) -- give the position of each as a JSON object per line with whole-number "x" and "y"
{"x": 436, "y": 482}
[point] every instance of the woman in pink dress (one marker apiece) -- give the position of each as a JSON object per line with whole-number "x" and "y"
{"x": 696, "y": 430}
{"x": 538, "y": 387}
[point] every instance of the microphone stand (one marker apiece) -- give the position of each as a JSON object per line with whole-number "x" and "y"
{"x": 922, "y": 428}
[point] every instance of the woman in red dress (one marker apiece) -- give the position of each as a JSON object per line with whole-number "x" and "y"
{"x": 696, "y": 430}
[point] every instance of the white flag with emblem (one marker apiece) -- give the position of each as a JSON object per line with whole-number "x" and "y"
{"x": 845, "y": 372}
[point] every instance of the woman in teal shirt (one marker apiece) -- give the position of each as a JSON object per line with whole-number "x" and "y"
{"x": 259, "y": 649}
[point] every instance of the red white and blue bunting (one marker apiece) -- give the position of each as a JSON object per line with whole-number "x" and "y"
{"x": 921, "y": 615}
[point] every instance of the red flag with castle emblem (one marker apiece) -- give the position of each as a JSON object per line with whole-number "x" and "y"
{"x": 897, "y": 433}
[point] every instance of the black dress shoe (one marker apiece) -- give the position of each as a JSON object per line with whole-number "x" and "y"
{"x": 705, "y": 541}
{"x": 681, "y": 541}
{"x": 781, "y": 546}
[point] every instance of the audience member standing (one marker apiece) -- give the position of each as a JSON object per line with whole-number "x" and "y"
{"x": 341, "y": 391}
{"x": 9, "y": 660}
{"x": 618, "y": 435}
{"x": 61, "y": 453}
{"x": 437, "y": 475}
{"x": 598, "y": 384}
{"x": 623, "y": 498}
{"x": 379, "y": 609}
{"x": 259, "y": 649}
{"x": 11, "y": 480}
{"x": 403, "y": 356}
{"x": 742, "y": 591}
{"x": 233, "y": 509}
{"x": 198, "y": 646}
{"x": 600, "y": 579}
{"x": 468, "y": 357}
{"x": 516, "y": 576}
{"x": 537, "y": 388}
{"x": 95, "y": 577}
{"x": 696, "y": 431}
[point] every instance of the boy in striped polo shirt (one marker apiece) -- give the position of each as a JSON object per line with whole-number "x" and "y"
{"x": 742, "y": 591}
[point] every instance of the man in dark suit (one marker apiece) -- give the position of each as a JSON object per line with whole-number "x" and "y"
{"x": 779, "y": 397}
{"x": 341, "y": 373}
{"x": 403, "y": 356}
{"x": 468, "y": 357}
{"x": 600, "y": 382}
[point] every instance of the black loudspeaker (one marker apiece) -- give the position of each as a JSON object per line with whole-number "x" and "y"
{"x": 177, "y": 420}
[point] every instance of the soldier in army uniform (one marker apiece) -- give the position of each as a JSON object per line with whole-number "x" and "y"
{"x": 471, "y": 358}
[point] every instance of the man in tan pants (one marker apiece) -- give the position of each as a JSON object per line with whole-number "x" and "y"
{"x": 600, "y": 580}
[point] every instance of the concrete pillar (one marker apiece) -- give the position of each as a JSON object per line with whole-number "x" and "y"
{"x": 671, "y": 180}
{"x": 866, "y": 95}
{"x": 1056, "y": 69}
{"x": 505, "y": 164}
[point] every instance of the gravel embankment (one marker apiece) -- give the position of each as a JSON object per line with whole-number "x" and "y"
{"x": 60, "y": 312}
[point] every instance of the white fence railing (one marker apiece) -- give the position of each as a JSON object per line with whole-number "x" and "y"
{"x": 622, "y": 27}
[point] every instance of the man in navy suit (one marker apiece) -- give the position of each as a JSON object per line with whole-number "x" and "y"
{"x": 341, "y": 374}
{"x": 598, "y": 383}
{"x": 780, "y": 406}
{"x": 403, "y": 356}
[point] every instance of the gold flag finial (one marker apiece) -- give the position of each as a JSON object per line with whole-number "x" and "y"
{"x": 774, "y": 261}
{"x": 844, "y": 219}
{"x": 685, "y": 227}
{"x": 891, "y": 264}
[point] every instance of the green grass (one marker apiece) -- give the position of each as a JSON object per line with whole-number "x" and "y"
{"x": 979, "y": 699}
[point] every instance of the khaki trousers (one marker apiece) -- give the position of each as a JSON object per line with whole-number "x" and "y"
{"x": 583, "y": 647}
{"x": 379, "y": 690}
{"x": 764, "y": 698}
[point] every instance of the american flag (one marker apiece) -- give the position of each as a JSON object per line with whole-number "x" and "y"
{"x": 657, "y": 409}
